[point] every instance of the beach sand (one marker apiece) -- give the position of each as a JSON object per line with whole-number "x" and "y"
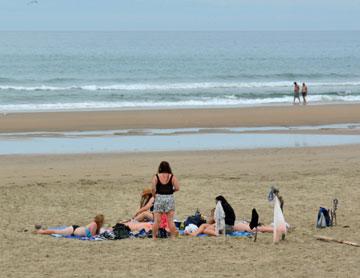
{"x": 71, "y": 189}
{"x": 181, "y": 118}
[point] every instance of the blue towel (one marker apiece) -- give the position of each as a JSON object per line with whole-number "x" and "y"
{"x": 181, "y": 232}
{"x": 233, "y": 234}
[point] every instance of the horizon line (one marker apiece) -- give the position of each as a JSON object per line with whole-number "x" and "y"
{"x": 185, "y": 30}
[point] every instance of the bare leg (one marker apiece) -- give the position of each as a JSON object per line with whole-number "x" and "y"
{"x": 266, "y": 229}
{"x": 244, "y": 227}
{"x": 157, "y": 220}
{"x": 144, "y": 216}
{"x": 172, "y": 227}
{"x": 208, "y": 229}
{"x": 66, "y": 231}
{"x": 134, "y": 226}
{"x": 199, "y": 230}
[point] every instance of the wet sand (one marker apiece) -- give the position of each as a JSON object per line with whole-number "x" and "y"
{"x": 71, "y": 189}
{"x": 181, "y": 118}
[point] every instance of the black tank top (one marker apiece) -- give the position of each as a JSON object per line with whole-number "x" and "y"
{"x": 164, "y": 189}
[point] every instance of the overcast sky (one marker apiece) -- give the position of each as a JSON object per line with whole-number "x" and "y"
{"x": 179, "y": 15}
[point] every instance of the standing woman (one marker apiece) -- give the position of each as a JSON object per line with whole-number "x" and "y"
{"x": 164, "y": 184}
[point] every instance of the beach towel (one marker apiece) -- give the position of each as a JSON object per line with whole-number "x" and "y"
{"x": 279, "y": 221}
{"x": 232, "y": 234}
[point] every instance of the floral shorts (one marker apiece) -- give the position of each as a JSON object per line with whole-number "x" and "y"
{"x": 164, "y": 203}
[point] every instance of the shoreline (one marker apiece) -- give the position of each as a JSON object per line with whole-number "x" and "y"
{"x": 180, "y": 118}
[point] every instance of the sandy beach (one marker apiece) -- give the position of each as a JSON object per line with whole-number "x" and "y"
{"x": 57, "y": 190}
{"x": 181, "y": 118}
{"x": 71, "y": 189}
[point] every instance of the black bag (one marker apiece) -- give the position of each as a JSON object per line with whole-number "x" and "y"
{"x": 121, "y": 231}
{"x": 162, "y": 233}
{"x": 195, "y": 219}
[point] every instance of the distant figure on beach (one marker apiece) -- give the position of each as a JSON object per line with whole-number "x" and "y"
{"x": 304, "y": 91}
{"x": 296, "y": 92}
{"x": 164, "y": 184}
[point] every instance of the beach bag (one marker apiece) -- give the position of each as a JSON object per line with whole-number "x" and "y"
{"x": 323, "y": 218}
{"x": 121, "y": 231}
{"x": 196, "y": 219}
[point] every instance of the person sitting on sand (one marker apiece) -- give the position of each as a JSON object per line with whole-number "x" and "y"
{"x": 89, "y": 230}
{"x": 209, "y": 228}
{"x": 164, "y": 184}
{"x": 145, "y": 212}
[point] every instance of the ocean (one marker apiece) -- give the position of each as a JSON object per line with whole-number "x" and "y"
{"x": 48, "y": 71}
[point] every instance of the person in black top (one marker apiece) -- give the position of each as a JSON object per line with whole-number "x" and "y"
{"x": 164, "y": 184}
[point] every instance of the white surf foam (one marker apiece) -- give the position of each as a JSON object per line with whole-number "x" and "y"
{"x": 174, "y": 86}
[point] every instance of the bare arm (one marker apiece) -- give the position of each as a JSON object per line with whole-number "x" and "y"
{"x": 92, "y": 227}
{"x": 175, "y": 183}
{"x": 153, "y": 185}
{"x": 146, "y": 207}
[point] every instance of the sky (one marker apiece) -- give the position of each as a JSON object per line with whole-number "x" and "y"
{"x": 129, "y": 15}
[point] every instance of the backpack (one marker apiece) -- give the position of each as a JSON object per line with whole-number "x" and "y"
{"x": 195, "y": 219}
{"x": 323, "y": 218}
{"x": 121, "y": 231}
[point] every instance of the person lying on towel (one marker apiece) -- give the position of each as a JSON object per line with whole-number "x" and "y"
{"x": 89, "y": 230}
{"x": 210, "y": 228}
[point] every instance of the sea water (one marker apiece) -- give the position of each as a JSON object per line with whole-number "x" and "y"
{"x": 154, "y": 143}
{"x": 124, "y": 70}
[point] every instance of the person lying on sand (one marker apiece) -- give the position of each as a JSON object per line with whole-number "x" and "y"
{"x": 209, "y": 228}
{"x": 89, "y": 230}
{"x": 145, "y": 212}
{"x": 135, "y": 226}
